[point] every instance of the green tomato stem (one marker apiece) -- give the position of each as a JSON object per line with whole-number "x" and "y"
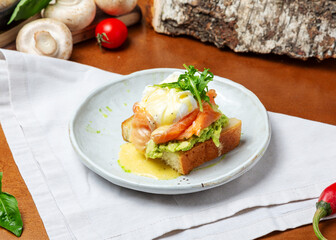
{"x": 100, "y": 39}
{"x": 320, "y": 213}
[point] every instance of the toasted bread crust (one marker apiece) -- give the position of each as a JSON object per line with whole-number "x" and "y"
{"x": 126, "y": 128}
{"x": 206, "y": 151}
{"x": 185, "y": 161}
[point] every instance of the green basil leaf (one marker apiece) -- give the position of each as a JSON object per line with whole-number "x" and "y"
{"x": 27, "y": 8}
{"x": 10, "y": 217}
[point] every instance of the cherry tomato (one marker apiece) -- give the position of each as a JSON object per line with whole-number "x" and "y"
{"x": 111, "y": 33}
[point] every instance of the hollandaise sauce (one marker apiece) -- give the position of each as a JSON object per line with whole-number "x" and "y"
{"x": 135, "y": 162}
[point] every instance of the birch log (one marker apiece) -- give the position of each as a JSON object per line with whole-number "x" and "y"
{"x": 298, "y": 28}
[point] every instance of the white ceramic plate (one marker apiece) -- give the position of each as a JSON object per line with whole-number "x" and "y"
{"x": 95, "y": 132}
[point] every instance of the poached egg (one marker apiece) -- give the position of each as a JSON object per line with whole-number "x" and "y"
{"x": 167, "y": 105}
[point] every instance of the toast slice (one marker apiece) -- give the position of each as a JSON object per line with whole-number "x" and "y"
{"x": 185, "y": 161}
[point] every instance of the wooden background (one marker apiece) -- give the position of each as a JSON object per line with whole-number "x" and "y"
{"x": 304, "y": 89}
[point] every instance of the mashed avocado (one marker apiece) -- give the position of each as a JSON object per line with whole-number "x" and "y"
{"x": 213, "y": 131}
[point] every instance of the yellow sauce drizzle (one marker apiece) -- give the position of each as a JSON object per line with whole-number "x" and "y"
{"x": 135, "y": 162}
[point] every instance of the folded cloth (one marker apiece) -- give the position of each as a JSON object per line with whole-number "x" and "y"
{"x": 38, "y": 95}
{"x": 251, "y": 223}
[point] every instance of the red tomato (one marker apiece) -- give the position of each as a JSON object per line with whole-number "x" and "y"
{"x": 111, "y": 33}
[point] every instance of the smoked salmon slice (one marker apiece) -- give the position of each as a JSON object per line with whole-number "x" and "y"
{"x": 174, "y": 130}
{"x": 190, "y": 125}
{"x": 204, "y": 119}
{"x": 142, "y": 127}
{"x": 212, "y": 94}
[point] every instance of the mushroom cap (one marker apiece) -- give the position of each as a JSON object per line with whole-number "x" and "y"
{"x": 116, "y": 7}
{"x": 76, "y": 15}
{"x": 55, "y": 38}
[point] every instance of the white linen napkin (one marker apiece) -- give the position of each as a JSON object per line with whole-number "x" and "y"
{"x": 38, "y": 95}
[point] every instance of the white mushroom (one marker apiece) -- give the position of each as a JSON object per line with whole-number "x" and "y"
{"x": 46, "y": 37}
{"x": 116, "y": 7}
{"x": 76, "y": 14}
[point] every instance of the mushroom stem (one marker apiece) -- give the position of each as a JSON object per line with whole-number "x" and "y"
{"x": 45, "y": 43}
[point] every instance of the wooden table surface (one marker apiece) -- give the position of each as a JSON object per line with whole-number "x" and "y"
{"x": 304, "y": 89}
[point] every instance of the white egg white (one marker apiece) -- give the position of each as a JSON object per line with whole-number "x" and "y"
{"x": 167, "y": 106}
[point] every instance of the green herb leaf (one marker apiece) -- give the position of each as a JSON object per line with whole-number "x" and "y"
{"x": 27, "y": 8}
{"x": 196, "y": 84}
{"x": 10, "y": 217}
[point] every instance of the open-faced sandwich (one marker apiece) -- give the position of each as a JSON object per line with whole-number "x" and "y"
{"x": 179, "y": 122}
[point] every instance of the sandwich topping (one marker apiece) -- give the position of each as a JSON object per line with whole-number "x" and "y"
{"x": 193, "y": 81}
{"x": 176, "y": 111}
{"x": 213, "y": 132}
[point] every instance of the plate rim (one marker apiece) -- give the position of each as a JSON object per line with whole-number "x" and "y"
{"x": 169, "y": 189}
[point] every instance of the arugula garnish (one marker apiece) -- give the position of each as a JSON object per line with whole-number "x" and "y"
{"x": 196, "y": 84}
